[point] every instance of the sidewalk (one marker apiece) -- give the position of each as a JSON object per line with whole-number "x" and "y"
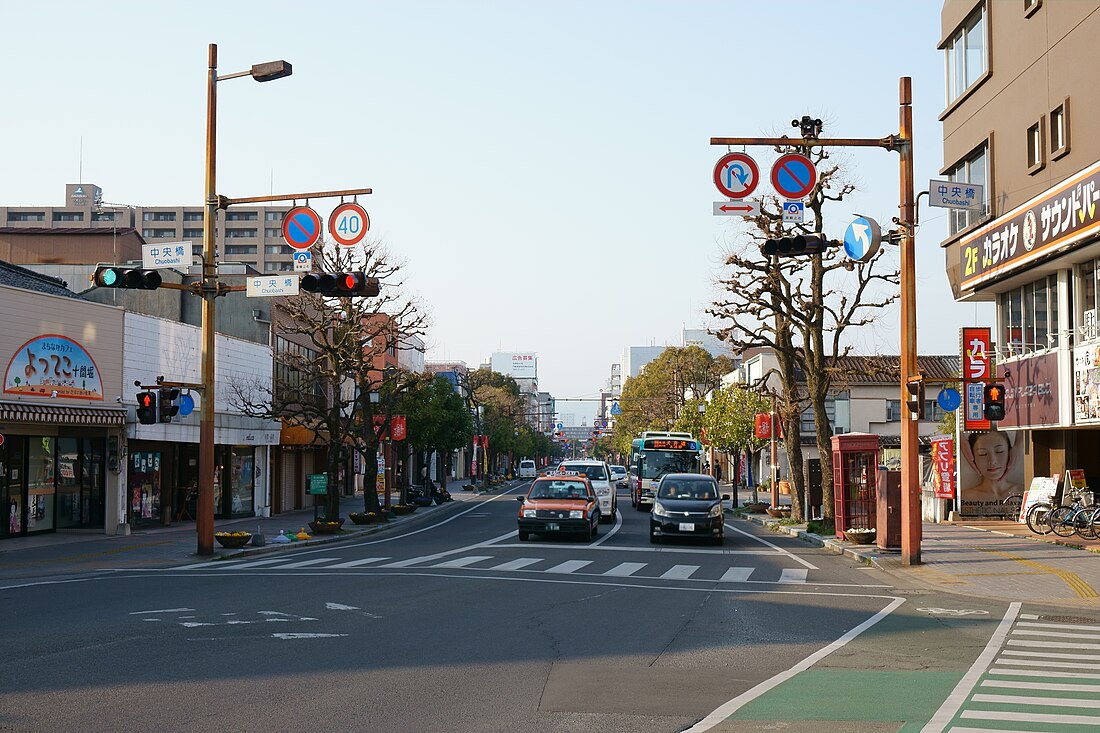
{"x": 64, "y": 553}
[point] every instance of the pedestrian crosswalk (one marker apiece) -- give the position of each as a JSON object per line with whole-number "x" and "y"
{"x": 1044, "y": 677}
{"x": 663, "y": 569}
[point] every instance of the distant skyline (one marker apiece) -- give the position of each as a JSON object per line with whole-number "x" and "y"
{"x": 543, "y": 169}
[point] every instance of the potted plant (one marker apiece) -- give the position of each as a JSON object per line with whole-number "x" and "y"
{"x": 362, "y": 517}
{"x": 326, "y": 526}
{"x": 400, "y": 509}
{"x": 779, "y": 512}
{"x": 232, "y": 540}
{"x": 756, "y": 507}
{"x": 860, "y": 535}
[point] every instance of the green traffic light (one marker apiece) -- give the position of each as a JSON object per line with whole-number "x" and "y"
{"x": 109, "y": 277}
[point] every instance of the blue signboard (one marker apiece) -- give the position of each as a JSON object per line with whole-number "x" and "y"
{"x": 615, "y": 409}
{"x": 949, "y": 399}
{"x": 862, "y": 238}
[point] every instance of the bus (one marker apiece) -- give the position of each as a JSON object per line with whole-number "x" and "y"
{"x": 653, "y": 454}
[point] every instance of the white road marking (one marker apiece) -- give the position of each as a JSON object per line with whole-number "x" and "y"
{"x": 1032, "y": 717}
{"x": 611, "y": 532}
{"x": 253, "y": 564}
{"x": 1054, "y": 655}
{"x": 1045, "y": 663}
{"x": 724, "y": 711}
{"x": 357, "y": 563}
{"x": 1056, "y": 634}
{"x": 161, "y": 610}
{"x": 517, "y": 564}
{"x": 679, "y": 572}
{"x": 625, "y": 569}
{"x": 1032, "y": 672}
{"x": 305, "y": 563}
{"x": 775, "y": 547}
{"x": 1057, "y": 702}
{"x": 463, "y": 561}
{"x": 1052, "y": 644}
{"x": 1069, "y": 627}
{"x": 736, "y": 575}
{"x": 569, "y": 566}
{"x": 307, "y": 636}
{"x": 446, "y": 553}
{"x": 340, "y": 607}
{"x": 793, "y": 575}
{"x": 1051, "y": 686}
{"x": 955, "y": 700}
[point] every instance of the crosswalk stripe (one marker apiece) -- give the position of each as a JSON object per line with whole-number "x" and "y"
{"x": 254, "y": 564}
{"x": 462, "y": 562}
{"x": 1064, "y": 627}
{"x": 1054, "y": 655}
{"x": 1051, "y": 686}
{"x": 793, "y": 575}
{"x": 1048, "y": 673}
{"x": 1055, "y": 634}
{"x": 1031, "y": 717}
{"x": 1044, "y": 663}
{"x": 410, "y": 561}
{"x": 517, "y": 564}
{"x": 968, "y": 729}
{"x": 569, "y": 566}
{"x": 625, "y": 569}
{"x": 192, "y": 566}
{"x": 679, "y": 572}
{"x": 1052, "y": 644}
{"x": 357, "y": 563}
{"x": 305, "y": 563}
{"x": 736, "y": 575}
{"x": 1058, "y": 702}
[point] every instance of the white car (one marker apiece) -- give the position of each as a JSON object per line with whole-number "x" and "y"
{"x": 599, "y": 475}
{"x": 618, "y": 475}
{"x": 527, "y": 469}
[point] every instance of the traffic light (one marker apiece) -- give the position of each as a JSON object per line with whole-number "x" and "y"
{"x": 915, "y": 401}
{"x": 132, "y": 278}
{"x": 994, "y": 402}
{"x": 147, "y": 408}
{"x": 796, "y": 245}
{"x": 340, "y": 284}
{"x": 169, "y": 407}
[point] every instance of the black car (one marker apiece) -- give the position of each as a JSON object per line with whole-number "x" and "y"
{"x": 687, "y": 505}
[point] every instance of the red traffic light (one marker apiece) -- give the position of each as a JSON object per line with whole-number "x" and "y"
{"x": 341, "y": 284}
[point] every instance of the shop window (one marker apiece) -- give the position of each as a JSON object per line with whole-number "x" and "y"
{"x": 1036, "y": 154}
{"x": 144, "y": 483}
{"x": 1028, "y": 316}
{"x": 242, "y": 477}
{"x": 965, "y": 55}
{"x": 1059, "y": 130}
{"x": 1086, "y": 302}
{"x": 972, "y": 169}
{"x": 41, "y": 483}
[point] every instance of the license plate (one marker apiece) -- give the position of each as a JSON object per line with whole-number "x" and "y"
{"x": 552, "y": 527}
{"x": 687, "y": 527}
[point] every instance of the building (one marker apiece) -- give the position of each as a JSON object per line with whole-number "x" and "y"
{"x": 636, "y": 357}
{"x": 1021, "y": 99}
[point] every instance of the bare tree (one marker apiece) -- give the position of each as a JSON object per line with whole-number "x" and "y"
{"x": 801, "y": 308}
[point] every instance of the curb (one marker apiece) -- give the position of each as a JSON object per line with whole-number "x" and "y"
{"x": 870, "y": 555}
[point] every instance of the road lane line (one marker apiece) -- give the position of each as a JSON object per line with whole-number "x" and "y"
{"x": 724, "y": 711}
{"x": 793, "y": 575}
{"x": 775, "y": 547}
{"x": 357, "y": 563}
{"x": 958, "y": 696}
{"x": 304, "y": 563}
{"x": 462, "y": 562}
{"x": 625, "y": 569}
{"x": 518, "y": 564}
{"x": 736, "y": 575}
{"x": 569, "y": 566}
{"x": 611, "y": 532}
{"x": 679, "y": 572}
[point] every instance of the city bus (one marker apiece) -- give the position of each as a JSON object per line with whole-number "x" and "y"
{"x": 653, "y": 454}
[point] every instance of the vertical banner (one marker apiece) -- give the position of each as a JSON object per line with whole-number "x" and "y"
{"x": 943, "y": 461}
{"x": 977, "y": 369}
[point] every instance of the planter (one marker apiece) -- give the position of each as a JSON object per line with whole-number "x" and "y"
{"x": 859, "y": 538}
{"x": 757, "y": 507}
{"x": 423, "y": 501}
{"x": 232, "y": 540}
{"x": 778, "y": 513}
{"x": 362, "y": 517}
{"x": 324, "y": 526}
{"x": 400, "y": 509}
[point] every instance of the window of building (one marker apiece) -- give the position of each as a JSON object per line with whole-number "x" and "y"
{"x": 240, "y": 249}
{"x": 933, "y": 411}
{"x": 196, "y": 249}
{"x": 241, "y": 216}
{"x": 192, "y": 234}
{"x": 158, "y": 216}
{"x": 278, "y": 249}
{"x": 1036, "y": 139}
{"x": 273, "y": 233}
{"x": 68, "y": 216}
{"x": 1059, "y": 130}
{"x": 806, "y": 419}
{"x": 972, "y": 169}
{"x": 26, "y": 216}
{"x": 966, "y": 55}
{"x": 240, "y": 233}
{"x": 158, "y": 233}
{"x": 273, "y": 216}
{"x": 193, "y": 216}
{"x": 104, "y": 216}
{"x": 1029, "y": 316}
{"x": 893, "y": 410}
{"x": 278, "y": 266}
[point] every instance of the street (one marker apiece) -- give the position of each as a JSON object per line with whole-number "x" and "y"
{"x": 458, "y": 626}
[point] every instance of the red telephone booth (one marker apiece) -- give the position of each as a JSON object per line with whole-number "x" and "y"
{"x": 855, "y": 479}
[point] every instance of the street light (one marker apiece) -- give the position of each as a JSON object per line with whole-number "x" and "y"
{"x": 204, "y": 520}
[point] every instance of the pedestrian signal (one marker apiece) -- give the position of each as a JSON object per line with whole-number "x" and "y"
{"x": 796, "y": 245}
{"x": 147, "y": 408}
{"x": 994, "y": 402}
{"x": 169, "y": 403}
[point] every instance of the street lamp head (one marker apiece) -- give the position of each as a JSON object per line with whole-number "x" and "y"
{"x": 271, "y": 70}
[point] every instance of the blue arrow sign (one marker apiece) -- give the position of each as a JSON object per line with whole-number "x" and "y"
{"x": 949, "y": 399}
{"x": 862, "y": 238}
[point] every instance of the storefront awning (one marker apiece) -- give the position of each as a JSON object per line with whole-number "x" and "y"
{"x": 27, "y": 412}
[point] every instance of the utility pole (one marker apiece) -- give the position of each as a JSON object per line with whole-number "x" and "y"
{"x": 901, "y": 143}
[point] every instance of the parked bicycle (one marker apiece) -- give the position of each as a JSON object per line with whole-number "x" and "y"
{"x": 1076, "y": 517}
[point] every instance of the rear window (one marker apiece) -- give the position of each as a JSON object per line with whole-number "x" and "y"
{"x": 559, "y": 489}
{"x": 526, "y": 464}
{"x": 594, "y": 473}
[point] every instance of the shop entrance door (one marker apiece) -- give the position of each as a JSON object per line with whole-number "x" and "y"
{"x": 13, "y": 498}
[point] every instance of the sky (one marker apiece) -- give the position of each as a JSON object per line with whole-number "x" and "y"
{"x": 542, "y": 168}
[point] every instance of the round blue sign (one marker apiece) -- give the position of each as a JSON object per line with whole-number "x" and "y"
{"x": 187, "y": 404}
{"x": 862, "y": 238}
{"x": 949, "y": 399}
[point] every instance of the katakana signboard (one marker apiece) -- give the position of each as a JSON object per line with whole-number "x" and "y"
{"x": 977, "y": 369}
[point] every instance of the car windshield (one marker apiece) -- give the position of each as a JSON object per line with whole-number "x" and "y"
{"x": 618, "y": 469}
{"x": 594, "y": 473}
{"x": 693, "y": 490}
{"x": 558, "y": 489}
{"x": 658, "y": 463}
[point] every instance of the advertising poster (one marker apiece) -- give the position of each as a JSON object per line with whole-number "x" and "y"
{"x": 943, "y": 461}
{"x": 990, "y": 470}
{"x": 1086, "y": 384}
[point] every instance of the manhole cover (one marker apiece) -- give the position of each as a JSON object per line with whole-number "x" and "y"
{"x": 1068, "y": 619}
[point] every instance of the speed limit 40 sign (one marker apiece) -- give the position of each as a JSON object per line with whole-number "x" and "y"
{"x": 348, "y": 224}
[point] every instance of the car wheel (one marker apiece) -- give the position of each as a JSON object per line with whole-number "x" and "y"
{"x": 524, "y": 536}
{"x": 595, "y": 532}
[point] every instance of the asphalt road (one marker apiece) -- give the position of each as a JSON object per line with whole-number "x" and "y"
{"x": 457, "y": 626}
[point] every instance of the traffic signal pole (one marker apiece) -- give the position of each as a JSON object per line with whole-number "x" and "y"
{"x": 901, "y": 143}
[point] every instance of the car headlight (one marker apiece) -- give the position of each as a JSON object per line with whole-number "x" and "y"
{"x": 659, "y": 509}
{"x": 715, "y": 511}
{"x": 576, "y": 514}
{"x": 528, "y": 513}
